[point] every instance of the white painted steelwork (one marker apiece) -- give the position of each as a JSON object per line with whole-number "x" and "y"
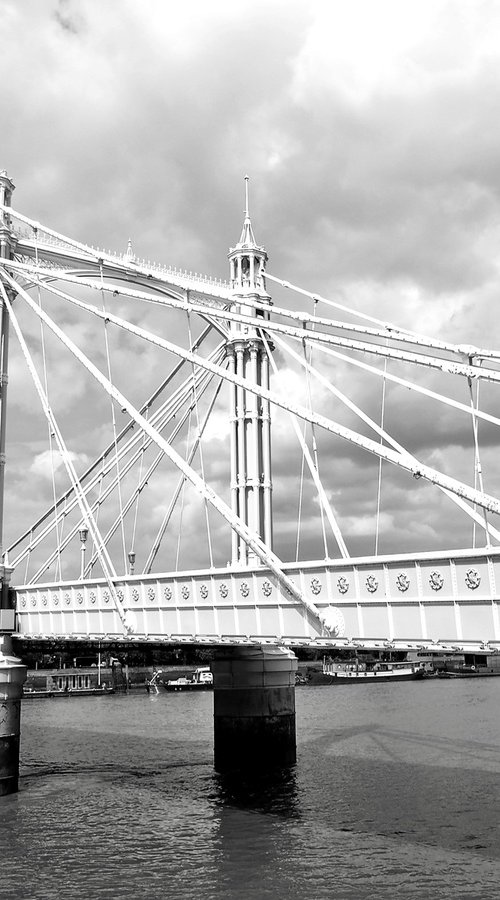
{"x": 428, "y": 600}
{"x": 445, "y": 600}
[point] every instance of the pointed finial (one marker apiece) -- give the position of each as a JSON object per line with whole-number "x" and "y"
{"x": 130, "y": 253}
{"x": 247, "y": 215}
{"x": 247, "y": 238}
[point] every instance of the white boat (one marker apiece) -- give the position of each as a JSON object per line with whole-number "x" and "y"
{"x": 201, "y": 680}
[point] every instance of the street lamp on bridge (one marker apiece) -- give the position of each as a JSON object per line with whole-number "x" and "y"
{"x": 83, "y": 532}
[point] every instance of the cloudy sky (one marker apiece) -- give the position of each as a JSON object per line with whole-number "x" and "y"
{"x": 371, "y": 135}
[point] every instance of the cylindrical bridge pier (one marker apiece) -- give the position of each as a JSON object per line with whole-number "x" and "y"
{"x": 254, "y": 708}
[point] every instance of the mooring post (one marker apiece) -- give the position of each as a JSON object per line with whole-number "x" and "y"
{"x": 12, "y": 678}
{"x": 254, "y": 708}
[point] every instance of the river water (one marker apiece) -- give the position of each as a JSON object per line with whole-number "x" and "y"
{"x": 395, "y": 795}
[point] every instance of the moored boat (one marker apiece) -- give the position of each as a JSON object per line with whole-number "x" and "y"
{"x": 201, "y": 680}
{"x": 353, "y": 673}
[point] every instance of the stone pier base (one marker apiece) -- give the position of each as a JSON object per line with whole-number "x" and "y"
{"x": 12, "y": 678}
{"x": 254, "y": 708}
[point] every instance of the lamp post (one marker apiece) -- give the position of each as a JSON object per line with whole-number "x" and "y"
{"x": 99, "y": 666}
{"x": 131, "y": 561}
{"x": 83, "y": 532}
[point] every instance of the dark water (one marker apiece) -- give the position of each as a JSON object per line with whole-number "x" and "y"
{"x": 396, "y": 794}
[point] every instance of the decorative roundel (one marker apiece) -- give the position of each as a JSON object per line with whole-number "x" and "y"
{"x": 316, "y": 585}
{"x": 93, "y": 597}
{"x": 23, "y": 602}
{"x": 223, "y": 590}
{"x": 472, "y": 579}
{"x": 203, "y": 592}
{"x": 371, "y": 583}
{"x": 55, "y": 599}
{"x": 267, "y": 588}
{"x": 44, "y": 599}
{"x": 67, "y": 599}
{"x": 334, "y": 621}
{"x": 168, "y": 593}
{"x": 33, "y": 601}
{"x": 120, "y": 595}
{"x": 185, "y": 592}
{"x": 106, "y": 596}
{"x": 151, "y": 593}
{"x": 79, "y": 598}
{"x": 135, "y": 595}
{"x": 244, "y": 589}
{"x": 402, "y": 582}
{"x": 343, "y": 584}
{"x": 436, "y": 580}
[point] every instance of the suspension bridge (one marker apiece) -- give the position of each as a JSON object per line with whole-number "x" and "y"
{"x": 146, "y": 533}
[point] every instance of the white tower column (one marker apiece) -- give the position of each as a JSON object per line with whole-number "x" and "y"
{"x": 250, "y": 434}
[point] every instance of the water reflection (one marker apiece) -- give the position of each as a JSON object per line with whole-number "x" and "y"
{"x": 271, "y": 792}
{"x": 254, "y": 816}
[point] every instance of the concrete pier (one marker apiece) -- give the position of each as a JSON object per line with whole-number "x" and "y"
{"x": 12, "y": 678}
{"x": 254, "y": 708}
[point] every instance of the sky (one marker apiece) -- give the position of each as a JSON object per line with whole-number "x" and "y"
{"x": 371, "y": 136}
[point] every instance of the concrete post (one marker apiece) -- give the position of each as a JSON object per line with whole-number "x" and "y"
{"x": 12, "y": 678}
{"x": 254, "y": 708}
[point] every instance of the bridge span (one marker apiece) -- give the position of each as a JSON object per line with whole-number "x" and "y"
{"x": 400, "y": 601}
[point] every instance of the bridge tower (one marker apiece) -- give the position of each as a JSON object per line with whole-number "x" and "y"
{"x": 254, "y": 688}
{"x": 251, "y": 487}
{"x": 12, "y": 672}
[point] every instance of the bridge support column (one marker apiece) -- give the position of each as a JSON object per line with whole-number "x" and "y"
{"x": 254, "y": 708}
{"x": 12, "y": 678}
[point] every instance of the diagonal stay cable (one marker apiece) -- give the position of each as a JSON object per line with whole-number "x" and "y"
{"x": 253, "y": 541}
{"x": 404, "y": 461}
{"x": 109, "y": 448}
{"x": 107, "y": 565}
{"x": 445, "y": 365}
{"x": 160, "y": 420}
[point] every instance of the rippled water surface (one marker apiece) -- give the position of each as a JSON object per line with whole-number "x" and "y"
{"x": 395, "y": 794}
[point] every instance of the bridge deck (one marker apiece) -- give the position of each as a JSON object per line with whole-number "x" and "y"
{"x": 449, "y": 599}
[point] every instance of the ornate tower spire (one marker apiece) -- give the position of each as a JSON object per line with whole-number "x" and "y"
{"x": 247, "y": 260}
{"x": 250, "y": 415}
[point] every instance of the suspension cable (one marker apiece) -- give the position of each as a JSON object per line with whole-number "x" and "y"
{"x": 478, "y": 472}
{"x": 453, "y": 495}
{"x": 105, "y": 453}
{"x": 86, "y": 513}
{"x": 160, "y": 421}
{"x": 58, "y": 531}
{"x": 306, "y": 455}
{"x": 200, "y": 448}
{"x": 137, "y": 491}
{"x": 405, "y": 461}
{"x": 379, "y": 480}
{"x": 313, "y": 435}
{"x": 448, "y": 366}
{"x": 113, "y": 420}
{"x": 166, "y": 519}
{"x": 250, "y": 537}
{"x": 301, "y": 490}
{"x": 183, "y": 495}
{"x": 151, "y": 469}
